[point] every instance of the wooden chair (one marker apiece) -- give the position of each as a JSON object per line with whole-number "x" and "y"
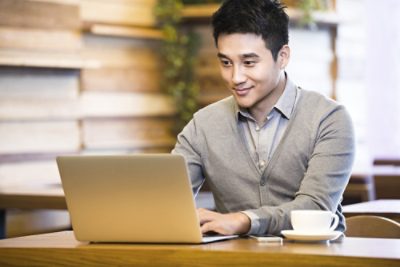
{"x": 372, "y": 226}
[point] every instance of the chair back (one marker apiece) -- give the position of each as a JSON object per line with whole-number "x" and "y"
{"x": 372, "y": 226}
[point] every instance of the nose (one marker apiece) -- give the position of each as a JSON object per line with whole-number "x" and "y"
{"x": 238, "y": 76}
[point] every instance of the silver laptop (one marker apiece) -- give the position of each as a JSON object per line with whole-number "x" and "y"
{"x": 143, "y": 198}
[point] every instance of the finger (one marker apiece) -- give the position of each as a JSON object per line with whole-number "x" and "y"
{"x": 214, "y": 227}
{"x": 206, "y": 215}
{"x": 208, "y": 227}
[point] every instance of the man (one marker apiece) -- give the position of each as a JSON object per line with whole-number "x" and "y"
{"x": 271, "y": 147}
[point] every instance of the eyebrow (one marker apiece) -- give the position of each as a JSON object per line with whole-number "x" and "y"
{"x": 220, "y": 55}
{"x": 250, "y": 55}
{"x": 244, "y": 56}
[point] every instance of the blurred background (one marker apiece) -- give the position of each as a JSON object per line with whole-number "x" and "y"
{"x": 123, "y": 76}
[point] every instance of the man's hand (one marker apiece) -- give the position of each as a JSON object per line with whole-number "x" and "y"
{"x": 224, "y": 224}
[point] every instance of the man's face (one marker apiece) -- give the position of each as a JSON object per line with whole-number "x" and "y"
{"x": 249, "y": 69}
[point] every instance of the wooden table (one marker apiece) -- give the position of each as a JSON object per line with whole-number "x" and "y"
{"x": 61, "y": 249}
{"x": 389, "y": 208}
{"x": 32, "y": 195}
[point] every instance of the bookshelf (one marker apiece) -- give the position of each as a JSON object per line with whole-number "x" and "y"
{"x": 77, "y": 77}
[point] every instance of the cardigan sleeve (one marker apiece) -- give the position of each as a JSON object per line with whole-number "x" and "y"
{"x": 188, "y": 147}
{"x": 327, "y": 173}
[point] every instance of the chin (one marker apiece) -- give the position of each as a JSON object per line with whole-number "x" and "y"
{"x": 245, "y": 101}
{"x": 243, "y": 104}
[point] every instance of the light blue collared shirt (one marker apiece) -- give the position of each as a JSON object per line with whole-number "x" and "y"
{"x": 262, "y": 140}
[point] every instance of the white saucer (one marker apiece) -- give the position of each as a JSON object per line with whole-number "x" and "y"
{"x": 301, "y": 236}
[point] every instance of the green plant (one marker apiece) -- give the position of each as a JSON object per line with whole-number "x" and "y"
{"x": 308, "y": 6}
{"x": 178, "y": 52}
{"x": 201, "y": 1}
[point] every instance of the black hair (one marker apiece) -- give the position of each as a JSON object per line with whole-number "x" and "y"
{"x": 261, "y": 17}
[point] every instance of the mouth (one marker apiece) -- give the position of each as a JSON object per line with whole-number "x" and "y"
{"x": 242, "y": 91}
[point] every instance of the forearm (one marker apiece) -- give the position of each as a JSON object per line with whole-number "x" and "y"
{"x": 274, "y": 219}
{"x": 319, "y": 190}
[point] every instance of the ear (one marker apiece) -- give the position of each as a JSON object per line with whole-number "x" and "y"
{"x": 284, "y": 56}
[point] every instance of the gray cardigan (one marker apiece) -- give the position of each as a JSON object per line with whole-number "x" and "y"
{"x": 309, "y": 169}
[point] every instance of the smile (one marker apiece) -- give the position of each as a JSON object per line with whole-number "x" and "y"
{"x": 242, "y": 91}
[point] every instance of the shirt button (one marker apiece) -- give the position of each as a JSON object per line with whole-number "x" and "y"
{"x": 262, "y": 183}
{"x": 257, "y": 128}
{"x": 261, "y": 164}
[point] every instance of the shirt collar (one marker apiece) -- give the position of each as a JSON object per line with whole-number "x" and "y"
{"x": 287, "y": 100}
{"x": 285, "y": 104}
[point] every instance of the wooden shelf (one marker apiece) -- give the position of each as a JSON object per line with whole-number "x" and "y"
{"x": 204, "y": 12}
{"x": 62, "y": 2}
{"x": 45, "y": 60}
{"x": 138, "y": 13}
{"x": 125, "y": 31}
{"x": 125, "y": 105}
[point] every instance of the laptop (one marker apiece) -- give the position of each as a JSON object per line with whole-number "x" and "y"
{"x": 140, "y": 198}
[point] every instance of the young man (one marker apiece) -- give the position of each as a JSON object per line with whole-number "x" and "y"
{"x": 271, "y": 147}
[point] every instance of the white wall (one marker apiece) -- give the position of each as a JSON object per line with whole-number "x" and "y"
{"x": 383, "y": 77}
{"x": 369, "y": 75}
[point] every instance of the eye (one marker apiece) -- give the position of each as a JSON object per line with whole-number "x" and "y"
{"x": 225, "y": 63}
{"x": 249, "y": 63}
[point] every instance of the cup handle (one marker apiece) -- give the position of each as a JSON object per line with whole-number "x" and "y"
{"x": 335, "y": 222}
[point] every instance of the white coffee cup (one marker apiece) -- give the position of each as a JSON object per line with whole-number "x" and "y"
{"x": 314, "y": 221}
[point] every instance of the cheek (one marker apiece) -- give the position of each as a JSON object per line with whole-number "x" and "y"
{"x": 266, "y": 75}
{"x": 225, "y": 74}
{"x": 258, "y": 75}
